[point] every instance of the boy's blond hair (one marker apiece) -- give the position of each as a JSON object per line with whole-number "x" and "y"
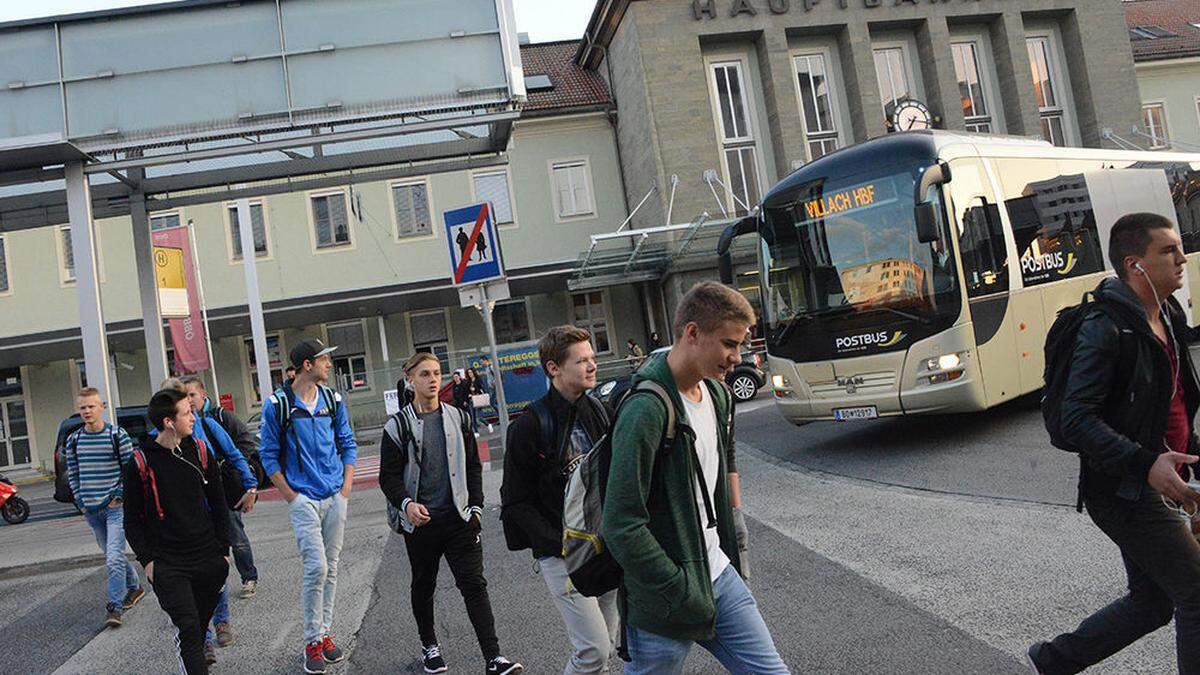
{"x": 708, "y": 305}
{"x": 417, "y": 359}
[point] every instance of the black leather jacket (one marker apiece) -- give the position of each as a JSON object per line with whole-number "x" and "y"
{"x": 1117, "y": 399}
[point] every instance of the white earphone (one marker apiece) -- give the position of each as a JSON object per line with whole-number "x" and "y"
{"x": 1138, "y": 266}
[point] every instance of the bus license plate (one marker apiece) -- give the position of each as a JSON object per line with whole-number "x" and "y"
{"x": 869, "y": 412}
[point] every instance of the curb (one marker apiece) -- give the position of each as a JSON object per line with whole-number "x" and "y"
{"x": 50, "y": 566}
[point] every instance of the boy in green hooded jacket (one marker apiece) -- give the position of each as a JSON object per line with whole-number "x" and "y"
{"x": 668, "y": 514}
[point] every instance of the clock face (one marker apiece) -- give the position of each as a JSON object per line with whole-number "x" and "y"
{"x": 911, "y": 116}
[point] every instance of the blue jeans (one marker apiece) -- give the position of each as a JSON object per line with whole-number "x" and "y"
{"x": 220, "y": 614}
{"x": 319, "y": 526}
{"x": 243, "y": 556}
{"x": 108, "y": 524}
{"x": 742, "y": 643}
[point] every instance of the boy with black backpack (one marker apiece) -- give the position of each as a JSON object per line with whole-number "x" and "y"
{"x": 429, "y": 469}
{"x": 668, "y": 506}
{"x": 177, "y": 522}
{"x": 543, "y": 447}
{"x": 1121, "y": 391}
{"x": 308, "y": 450}
{"x": 95, "y": 456}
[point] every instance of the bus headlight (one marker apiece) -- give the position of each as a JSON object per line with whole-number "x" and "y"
{"x": 944, "y": 362}
{"x": 943, "y": 368}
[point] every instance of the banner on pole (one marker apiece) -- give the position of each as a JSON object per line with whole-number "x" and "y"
{"x": 187, "y": 331}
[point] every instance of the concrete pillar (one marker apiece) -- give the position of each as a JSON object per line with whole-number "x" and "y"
{"x": 1094, "y": 77}
{"x": 1016, "y": 81}
{"x": 858, "y": 71}
{"x": 143, "y": 256}
{"x": 87, "y": 286}
{"x": 779, "y": 92}
{"x": 937, "y": 71}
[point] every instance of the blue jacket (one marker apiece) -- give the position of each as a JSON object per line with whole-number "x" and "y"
{"x": 206, "y": 428}
{"x": 317, "y": 449}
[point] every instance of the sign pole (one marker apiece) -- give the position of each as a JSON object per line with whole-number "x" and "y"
{"x": 485, "y": 306}
{"x": 208, "y": 337}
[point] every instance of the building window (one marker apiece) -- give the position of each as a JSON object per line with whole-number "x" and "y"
{"x": 331, "y": 223}
{"x": 259, "y": 225}
{"x": 410, "y": 204}
{"x": 492, "y": 186}
{"x": 1046, "y": 90}
{"x": 511, "y": 322}
{"x": 588, "y": 311}
{"x": 572, "y": 189}
{"x": 3, "y": 265}
{"x": 164, "y": 221}
{"x": 1154, "y": 118}
{"x": 66, "y": 254}
{"x": 893, "y": 78}
{"x": 350, "y": 359}
{"x": 966, "y": 68}
{"x": 816, "y": 105}
{"x": 274, "y": 364}
{"x": 429, "y": 334}
{"x": 737, "y": 136}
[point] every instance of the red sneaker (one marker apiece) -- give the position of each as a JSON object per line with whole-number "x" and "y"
{"x": 330, "y": 651}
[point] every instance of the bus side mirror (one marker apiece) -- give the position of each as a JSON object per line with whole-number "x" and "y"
{"x": 927, "y": 226}
{"x": 724, "y": 260}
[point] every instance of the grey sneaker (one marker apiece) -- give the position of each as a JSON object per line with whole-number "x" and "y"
{"x": 314, "y": 661}
{"x": 113, "y": 618}
{"x": 224, "y": 634}
{"x": 249, "y": 588}
{"x": 133, "y": 597}
{"x": 210, "y": 653}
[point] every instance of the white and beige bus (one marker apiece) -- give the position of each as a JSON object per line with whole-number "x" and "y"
{"x": 919, "y": 272}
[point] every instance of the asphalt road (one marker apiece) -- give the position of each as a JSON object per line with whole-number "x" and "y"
{"x": 936, "y": 545}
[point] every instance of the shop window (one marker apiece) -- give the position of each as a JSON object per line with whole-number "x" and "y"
{"x": 1052, "y": 220}
{"x": 492, "y": 186}
{"x": 164, "y": 221}
{"x": 1154, "y": 118}
{"x": 511, "y": 322}
{"x": 350, "y": 359}
{"x": 331, "y": 222}
{"x": 588, "y": 312}
{"x": 259, "y": 231}
{"x": 572, "y": 191}
{"x": 1046, "y": 90}
{"x": 816, "y": 105}
{"x": 429, "y": 334}
{"x": 10, "y": 382}
{"x": 411, "y": 203}
{"x": 974, "y": 102}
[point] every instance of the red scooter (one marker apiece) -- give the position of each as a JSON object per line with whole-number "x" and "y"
{"x": 14, "y": 509}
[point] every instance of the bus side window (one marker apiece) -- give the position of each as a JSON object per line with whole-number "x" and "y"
{"x": 984, "y": 254}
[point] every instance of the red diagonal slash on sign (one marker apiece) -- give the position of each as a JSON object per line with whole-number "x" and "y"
{"x": 466, "y": 258}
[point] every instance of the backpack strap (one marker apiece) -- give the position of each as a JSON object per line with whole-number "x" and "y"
{"x": 545, "y": 424}
{"x": 202, "y": 450}
{"x": 149, "y": 485}
{"x": 668, "y": 440}
{"x": 116, "y": 443}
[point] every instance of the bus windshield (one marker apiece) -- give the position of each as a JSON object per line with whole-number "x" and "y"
{"x": 845, "y": 267}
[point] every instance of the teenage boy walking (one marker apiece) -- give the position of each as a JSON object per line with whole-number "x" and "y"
{"x": 542, "y": 444}
{"x": 95, "y": 456}
{"x": 247, "y": 445}
{"x": 429, "y": 469}
{"x": 668, "y": 517}
{"x": 177, "y": 523}
{"x": 308, "y": 450}
{"x": 1127, "y": 408}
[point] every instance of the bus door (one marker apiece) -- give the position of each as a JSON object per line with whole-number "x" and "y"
{"x": 985, "y": 248}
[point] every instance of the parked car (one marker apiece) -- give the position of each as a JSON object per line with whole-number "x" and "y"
{"x": 745, "y": 379}
{"x": 131, "y": 418}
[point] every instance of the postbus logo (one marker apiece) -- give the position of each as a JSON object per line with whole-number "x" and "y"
{"x": 880, "y": 339}
{"x": 1048, "y": 262}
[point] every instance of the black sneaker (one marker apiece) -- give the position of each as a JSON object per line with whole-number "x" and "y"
{"x": 502, "y": 666}
{"x": 113, "y": 618}
{"x": 134, "y": 596}
{"x": 1031, "y": 656}
{"x": 210, "y": 653}
{"x": 432, "y": 658}
{"x": 314, "y": 661}
{"x": 331, "y": 651}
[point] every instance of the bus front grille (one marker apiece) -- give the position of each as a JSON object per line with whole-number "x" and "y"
{"x": 865, "y": 383}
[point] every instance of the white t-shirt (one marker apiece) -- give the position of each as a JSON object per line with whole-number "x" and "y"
{"x": 702, "y": 417}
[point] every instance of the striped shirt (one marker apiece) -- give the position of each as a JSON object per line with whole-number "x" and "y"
{"x": 92, "y": 470}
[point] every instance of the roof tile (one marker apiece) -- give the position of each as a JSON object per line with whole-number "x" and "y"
{"x": 1177, "y": 16}
{"x": 574, "y": 87}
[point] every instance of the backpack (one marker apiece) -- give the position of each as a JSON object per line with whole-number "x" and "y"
{"x": 590, "y": 566}
{"x": 217, "y": 414}
{"x": 150, "y": 484}
{"x": 1059, "y": 349}
{"x": 283, "y": 412}
{"x": 62, "y": 493}
{"x": 395, "y": 522}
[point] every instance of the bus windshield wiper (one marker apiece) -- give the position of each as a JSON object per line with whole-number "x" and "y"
{"x": 906, "y": 315}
